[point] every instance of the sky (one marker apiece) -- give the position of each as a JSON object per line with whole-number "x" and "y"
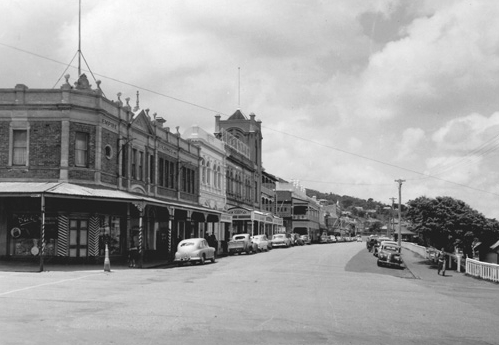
{"x": 353, "y": 95}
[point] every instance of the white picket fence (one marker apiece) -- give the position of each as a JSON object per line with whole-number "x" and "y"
{"x": 482, "y": 270}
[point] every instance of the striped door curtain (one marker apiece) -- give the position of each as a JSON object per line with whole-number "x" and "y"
{"x": 93, "y": 236}
{"x": 63, "y": 235}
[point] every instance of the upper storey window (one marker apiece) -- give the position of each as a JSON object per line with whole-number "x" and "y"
{"x": 81, "y": 149}
{"x": 20, "y": 147}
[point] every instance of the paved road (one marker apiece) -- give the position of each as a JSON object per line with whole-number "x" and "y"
{"x": 319, "y": 294}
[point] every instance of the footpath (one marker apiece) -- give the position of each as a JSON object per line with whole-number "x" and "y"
{"x": 34, "y": 266}
{"x": 424, "y": 269}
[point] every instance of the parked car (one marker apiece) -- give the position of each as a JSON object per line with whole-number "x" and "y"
{"x": 262, "y": 243}
{"x": 281, "y": 240}
{"x": 324, "y": 238}
{"x": 306, "y": 239}
{"x": 194, "y": 250}
{"x": 389, "y": 254}
{"x": 241, "y": 243}
{"x": 332, "y": 239}
{"x": 359, "y": 238}
{"x": 378, "y": 242}
{"x": 295, "y": 238}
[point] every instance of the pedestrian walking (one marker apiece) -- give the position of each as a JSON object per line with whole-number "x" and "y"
{"x": 133, "y": 254}
{"x": 441, "y": 262}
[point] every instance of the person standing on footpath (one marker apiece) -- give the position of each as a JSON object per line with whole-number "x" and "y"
{"x": 441, "y": 262}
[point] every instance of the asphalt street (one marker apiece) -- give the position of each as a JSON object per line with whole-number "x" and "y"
{"x": 318, "y": 294}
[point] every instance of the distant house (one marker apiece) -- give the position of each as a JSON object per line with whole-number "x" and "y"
{"x": 488, "y": 254}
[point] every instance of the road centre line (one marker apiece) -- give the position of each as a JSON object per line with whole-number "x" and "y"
{"x": 45, "y": 284}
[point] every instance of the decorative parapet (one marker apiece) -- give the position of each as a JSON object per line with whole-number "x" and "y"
{"x": 235, "y": 143}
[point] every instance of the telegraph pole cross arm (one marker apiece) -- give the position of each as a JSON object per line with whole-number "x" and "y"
{"x": 399, "y": 237}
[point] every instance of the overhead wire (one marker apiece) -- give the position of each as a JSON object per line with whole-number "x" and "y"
{"x": 275, "y": 130}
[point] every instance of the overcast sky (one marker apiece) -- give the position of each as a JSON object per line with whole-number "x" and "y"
{"x": 352, "y": 95}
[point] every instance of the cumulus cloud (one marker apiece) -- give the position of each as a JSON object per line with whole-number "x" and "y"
{"x": 357, "y": 92}
{"x": 411, "y": 139}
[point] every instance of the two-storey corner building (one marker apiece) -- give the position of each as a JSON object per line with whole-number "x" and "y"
{"x": 243, "y": 143}
{"x": 79, "y": 172}
{"x": 212, "y": 180}
{"x": 300, "y": 213}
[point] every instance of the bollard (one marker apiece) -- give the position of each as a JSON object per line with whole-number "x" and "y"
{"x": 458, "y": 256}
{"x": 107, "y": 264}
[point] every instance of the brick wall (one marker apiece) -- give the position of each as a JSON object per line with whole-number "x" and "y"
{"x": 45, "y": 144}
{"x": 109, "y": 165}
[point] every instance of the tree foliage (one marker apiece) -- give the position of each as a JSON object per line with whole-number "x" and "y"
{"x": 447, "y": 222}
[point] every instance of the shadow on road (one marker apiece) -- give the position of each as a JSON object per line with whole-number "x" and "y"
{"x": 366, "y": 262}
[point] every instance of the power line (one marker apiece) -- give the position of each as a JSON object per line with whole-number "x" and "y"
{"x": 275, "y": 130}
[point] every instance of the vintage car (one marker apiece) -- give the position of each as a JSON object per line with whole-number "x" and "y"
{"x": 306, "y": 239}
{"x": 324, "y": 238}
{"x": 262, "y": 243}
{"x": 377, "y": 244}
{"x": 241, "y": 243}
{"x": 194, "y": 250}
{"x": 332, "y": 239}
{"x": 296, "y": 240}
{"x": 281, "y": 240}
{"x": 390, "y": 254}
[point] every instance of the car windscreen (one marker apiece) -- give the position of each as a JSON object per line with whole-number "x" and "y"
{"x": 238, "y": 238}
{"x": 278, "y": 236}
{"x": 391, "y": 249}
{"x": 186, "y": 244}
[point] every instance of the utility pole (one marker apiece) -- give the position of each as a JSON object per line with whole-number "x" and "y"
{"x": 391, "y": 216}
{"x": 399, "y": 239}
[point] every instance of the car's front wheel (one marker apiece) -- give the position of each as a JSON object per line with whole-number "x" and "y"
{"x": 203, "y": 259}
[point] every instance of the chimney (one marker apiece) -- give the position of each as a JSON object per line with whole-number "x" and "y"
{"x": 160, "y": 121}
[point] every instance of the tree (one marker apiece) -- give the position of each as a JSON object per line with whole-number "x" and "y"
{"x": 445, "y": 222}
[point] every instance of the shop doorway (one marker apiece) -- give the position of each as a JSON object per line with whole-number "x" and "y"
{"x": 78, "y": 238}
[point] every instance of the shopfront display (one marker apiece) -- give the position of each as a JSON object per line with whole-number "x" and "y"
{"x": 25, "y": 234}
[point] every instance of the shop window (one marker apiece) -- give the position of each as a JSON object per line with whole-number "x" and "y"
{"x": 81, "y": 149}
{"x": 25, "y": 237}
{"x": 19, "y": 147}
{"x": 109, "y": 233}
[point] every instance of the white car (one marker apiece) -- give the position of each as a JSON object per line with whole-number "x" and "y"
{"x": 281, "y": 240}
{"x": 194, "y": 250}
{"x": 262, "y": 242}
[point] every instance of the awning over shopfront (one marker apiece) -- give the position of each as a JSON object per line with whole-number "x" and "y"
{"x": 70, "y": 190}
